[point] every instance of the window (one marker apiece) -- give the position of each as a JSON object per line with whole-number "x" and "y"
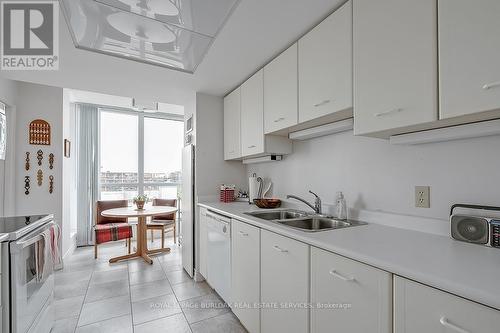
{"x": 139, "y": 154}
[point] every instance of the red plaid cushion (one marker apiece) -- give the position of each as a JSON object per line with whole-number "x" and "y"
{"x": 107, "y": 232}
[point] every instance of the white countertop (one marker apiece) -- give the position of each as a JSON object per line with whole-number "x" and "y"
{"x": 467, "y": 270}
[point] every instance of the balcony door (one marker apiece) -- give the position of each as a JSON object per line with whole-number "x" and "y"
{"x": 140, "y": 153}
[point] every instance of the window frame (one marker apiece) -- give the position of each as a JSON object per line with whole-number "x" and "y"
{"x": 140, "y": 148}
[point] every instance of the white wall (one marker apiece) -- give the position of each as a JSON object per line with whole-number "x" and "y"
{"x": 377, "y": 176}
{"x": 211, "y": 169}
{"x": 34, "y": 102}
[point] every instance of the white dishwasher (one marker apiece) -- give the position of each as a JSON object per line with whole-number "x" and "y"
{"x": 219, "y": 254}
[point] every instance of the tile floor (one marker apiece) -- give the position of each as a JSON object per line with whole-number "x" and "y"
{"x": 93, "y": 296}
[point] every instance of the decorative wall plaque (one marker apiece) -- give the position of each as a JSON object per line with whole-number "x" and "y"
{"x": 27, "y": 165}
{"x": 39, "y": 156}
{"x": 51, "y": 161}
{"x": 51, "y": 184}
{"x": 39, "y": 177}
{"x": 26, "y": 185}
{"x": 39, "y": 132}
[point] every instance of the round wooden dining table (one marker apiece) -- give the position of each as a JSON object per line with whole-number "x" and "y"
{"x": 142, "y": 215}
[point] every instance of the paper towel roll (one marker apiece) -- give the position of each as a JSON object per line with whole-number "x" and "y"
{"x": 253, "y": 188}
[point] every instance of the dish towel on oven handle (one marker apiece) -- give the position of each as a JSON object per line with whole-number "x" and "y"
{"x": 55, "y": 241}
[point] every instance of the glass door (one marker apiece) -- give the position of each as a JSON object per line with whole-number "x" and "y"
{"x": 119, "y": 155}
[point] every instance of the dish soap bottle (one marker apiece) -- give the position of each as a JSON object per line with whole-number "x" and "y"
{"x": 341, "y": 207}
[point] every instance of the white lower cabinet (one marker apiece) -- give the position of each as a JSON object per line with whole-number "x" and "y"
{"x": 348, "y": 296}
{"x": 284, "y": 284}
{"x": 419, "y": 308}
{"x": 245, "y": 274}
{"x": 203, "y": 243}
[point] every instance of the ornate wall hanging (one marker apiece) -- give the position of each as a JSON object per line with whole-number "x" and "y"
{"x": 39, "y": 177}
{"x": 26, "y": 185}
{"x": 39, "y": 156}
{"x": 51, "y": 161}
{"x": 27, "y": 165}
{"x": 39, "y": 132}
{"x": 51, "y": 184}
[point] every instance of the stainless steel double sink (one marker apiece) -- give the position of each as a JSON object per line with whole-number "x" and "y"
{"x": 304, "y": 221}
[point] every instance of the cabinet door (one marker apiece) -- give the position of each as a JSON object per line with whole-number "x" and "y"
{"x": 418, "y": 308}
{"x": 284, "y": 283}
{"x": 203, "y": 242}
{"x": 348, "y": 296}
{"x": 252, "y": 115}
{"x": 325, "y": 66}
{"x": 232, "y": 113}
{"x": 395, "y": 64}
{"x": 245, "y": 274}
{"x": 280, "y": 91}
{"x": 469, "y": 51}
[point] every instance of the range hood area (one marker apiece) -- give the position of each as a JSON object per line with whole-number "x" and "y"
{"x": 171, "y": 33}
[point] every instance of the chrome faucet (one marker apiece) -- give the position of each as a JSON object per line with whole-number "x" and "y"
{"x": 317, "y": 202}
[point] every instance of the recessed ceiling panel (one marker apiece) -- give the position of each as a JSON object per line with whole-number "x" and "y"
{"x": 202, "y": 16}
{"x": 174, "y": 34}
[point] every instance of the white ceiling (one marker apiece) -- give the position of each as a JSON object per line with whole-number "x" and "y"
{"x": 257, "y": 31}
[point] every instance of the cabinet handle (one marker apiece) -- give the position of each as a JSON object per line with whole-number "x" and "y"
{"x": 326, "y": 101}
{"x": 279, "y": 119}
{"x": 379, "y": 114}
{"x": 252, "y": 146}
{"x": 337, "y": 275}
{"x": 446, "y": 323}
{"x": 242, "y": 233}
{"x": 277, "y": 248}
{"x": 491, "y": 85}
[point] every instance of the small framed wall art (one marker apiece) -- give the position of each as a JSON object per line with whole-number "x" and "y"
{"x": 67, "y": 148}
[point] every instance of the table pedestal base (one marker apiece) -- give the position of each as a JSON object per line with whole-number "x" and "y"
{"x": 142, "y": 246}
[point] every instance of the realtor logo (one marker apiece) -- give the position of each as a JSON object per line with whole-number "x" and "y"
{"x": 30, "y": 35}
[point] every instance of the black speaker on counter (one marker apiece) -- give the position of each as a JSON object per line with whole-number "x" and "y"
{"x": 470, "y": 229}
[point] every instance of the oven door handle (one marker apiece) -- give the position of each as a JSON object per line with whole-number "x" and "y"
{"x": 25, "y": 243}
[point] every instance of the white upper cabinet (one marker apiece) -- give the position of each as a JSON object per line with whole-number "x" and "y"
{"x": 325, "y": 66}
{"x": 469, "y": 56}
{"x": 395, "y": 64}
{"x": 280, "y": 91}
{"x": 232, "y": 147}
{"x": 252, "y": 115}
{"x": 366, "y": 290}
{"x": 418, "y": 309}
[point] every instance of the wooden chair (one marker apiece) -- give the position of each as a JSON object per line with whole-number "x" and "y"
{"x": 108, "y": 229}
{"x": 162, "y": 222}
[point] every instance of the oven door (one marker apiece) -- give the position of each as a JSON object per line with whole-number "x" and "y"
{"x": 32, "y": 278}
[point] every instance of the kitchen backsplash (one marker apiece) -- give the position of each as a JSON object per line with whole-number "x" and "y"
{"x": 379, "y": 179}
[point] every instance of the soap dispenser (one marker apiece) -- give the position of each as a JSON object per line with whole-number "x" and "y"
{"x": 341, "y": 207}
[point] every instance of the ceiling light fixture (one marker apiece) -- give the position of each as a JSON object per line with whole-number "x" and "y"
{"x": 171, "y": 33}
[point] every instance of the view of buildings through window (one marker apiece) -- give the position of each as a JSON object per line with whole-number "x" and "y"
{"x": 139, "y": 154}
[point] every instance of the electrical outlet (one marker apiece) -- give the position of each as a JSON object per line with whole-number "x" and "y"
{"x": 423, "y": 196}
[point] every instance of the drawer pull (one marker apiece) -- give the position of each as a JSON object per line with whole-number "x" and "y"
{"x": 379, "y": 114}
{"x": 446, "y": 323}
{"x": 326, "y": 101}
{"x": 277, "y": 248}
{"x": 242, "y": 233}
{"x": 279, "y": 119}
{"x": 252, "y": 146}
{"x": 491, "y": 85}
{"x": 337, "y": 275}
